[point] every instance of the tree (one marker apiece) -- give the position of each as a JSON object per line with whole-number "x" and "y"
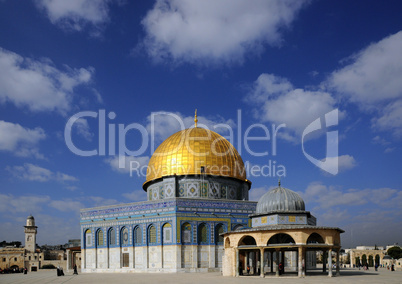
{"x": 364, "y": 260}
{"x": 357, "y": 260}
{"x": 395, "y": 252}
{"x": 371, "y": 261}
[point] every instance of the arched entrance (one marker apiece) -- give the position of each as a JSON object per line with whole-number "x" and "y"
{"x": 282, "y": 253}
{"x": 248, "y": 256}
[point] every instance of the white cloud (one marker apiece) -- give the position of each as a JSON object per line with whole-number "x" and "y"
{"x": 97, "y": 201}
{"x": 374, "y": 75}
{"x": 72, "y": 187}
{"x": 130, "y": 164}
{"x": 256, "y": 193}
{"x": 215, "y": 31}
{"x": 136, "y": 195}
{"x": 81, "y": 124}
{"x": 340, "y": 163}
{"x": 329, "y": 196}
{"x": 66, "y": 205}
{"x": 389, "y": 150}
{"x": 35, "y": 173}
{"x": 390, "y": 118}
{"x": 372, "y": 81}
{"x": 38, "y": 85}
{"x": 380, "y": 140}
{"x": 76, "y": 14}
{"x": 20, "y": 140}
{"x": 277, "y": 101}
{"x": 163, "y": 124}
{"x": 27, "y": 204}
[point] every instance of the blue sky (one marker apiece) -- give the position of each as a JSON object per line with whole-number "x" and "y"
{"x": 249, "y": 66}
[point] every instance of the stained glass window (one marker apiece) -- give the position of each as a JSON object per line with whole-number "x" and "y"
{"x": 124, "y": 236}
{"x": 167, "y": 233}
{"x": 202, "y": 233}
{"x": 88, "y": 238}
{"x": 219, "y": 230}
{"x": 112, "y": 237}
{"x": 152, "y": 234}
{"x": 137, "y": 235}
{"x": 100, "y": 238}
{"x": 186, "y": 233}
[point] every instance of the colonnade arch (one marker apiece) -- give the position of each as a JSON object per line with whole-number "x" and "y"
{"x": 315, "y": 238}
{"x": 280, "y": 238}
{"x": 269, "y": 252}
{"x": 370, "y": 257}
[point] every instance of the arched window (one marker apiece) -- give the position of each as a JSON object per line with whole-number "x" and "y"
{"x": 88, "y": 238}
{"x": 124, "y": 236}
{"x": 219, "y": 229}
{"x": 99, "y": 238}
{"x": 186, "y": 233}
{"x": 247, "y": 241}
{"x": 202, "y": 234}
{"x": 137, "y": 236}
{"x": 281, "y": 239}
{"x": 167, "y": 233}
{"x": 112, "y": 237}
{"x": 151, "y": 234}
{"x": 315, "y": 238}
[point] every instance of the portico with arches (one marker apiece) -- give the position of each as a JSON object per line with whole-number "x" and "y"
{"x": 283, "y": 239}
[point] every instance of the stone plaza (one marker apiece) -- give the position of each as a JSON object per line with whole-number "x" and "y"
{"x": 347, "y": 276}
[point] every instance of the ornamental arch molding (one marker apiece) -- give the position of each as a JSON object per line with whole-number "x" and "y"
{"x": 315, "y": 238}
{"x": 247, "y": 241}
{"x": 281, "y": 238}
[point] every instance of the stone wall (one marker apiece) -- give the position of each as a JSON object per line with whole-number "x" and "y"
{"x": 56, "y": 263}
{"x": 11, "y": 257}
{"x": 172, "y": 258}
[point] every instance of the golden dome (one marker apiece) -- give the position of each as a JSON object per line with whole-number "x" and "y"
{"x": 187, "y": 151}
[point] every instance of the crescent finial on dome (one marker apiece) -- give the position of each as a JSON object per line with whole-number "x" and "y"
{"x": 195, "y": 118}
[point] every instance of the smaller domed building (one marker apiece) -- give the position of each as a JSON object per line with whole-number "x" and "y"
{"x": 283, "y": 238}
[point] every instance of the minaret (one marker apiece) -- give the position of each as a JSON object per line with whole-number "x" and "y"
{"x": 30, "y": 234}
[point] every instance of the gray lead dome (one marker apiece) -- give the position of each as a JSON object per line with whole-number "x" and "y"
{"x": 280, "y": 199}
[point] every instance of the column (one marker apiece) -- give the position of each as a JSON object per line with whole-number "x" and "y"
{"x": 337, "y": 262}
{"x": 245, "y": 259}
{"x": 330, "y": 262}
{"x": 261, "y": 262}
{"x": 83, "y": 259}
{"x": 277, "y": 262}
{"x": 271, "y": 256}
{"x": 301, "y": 260}
{"x": 324, "y": 261}
{"x": 237, "y": 260}
{"x": 68, "y": 260}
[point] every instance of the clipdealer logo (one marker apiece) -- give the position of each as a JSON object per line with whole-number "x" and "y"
{"x": 330, "y": 163}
